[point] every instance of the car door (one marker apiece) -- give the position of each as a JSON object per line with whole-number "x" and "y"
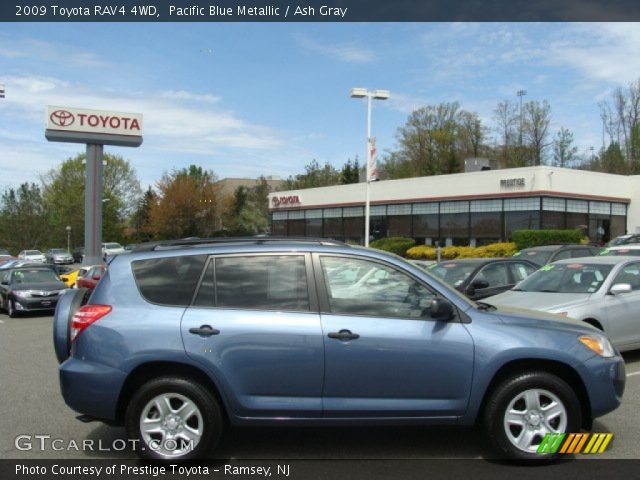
{"x": 494, "y": 278}
{"x": 384, "y": 355}
{"x": 622, "y": 318}
{"x": 254, "y": 325}
{"x": 4, "y": 288}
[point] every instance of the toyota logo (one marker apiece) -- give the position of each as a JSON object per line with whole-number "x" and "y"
{"x": 62, "y": 118}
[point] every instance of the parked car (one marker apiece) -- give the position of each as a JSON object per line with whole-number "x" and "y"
{"x": 32, "y": 256}
{"x": 621, "y": 250}
{"x": 4, "y": 253}
{"x": 28, "y": 289}
{"x": 91, "y": 277}
{"x": 78, "y": 255}
{"x": 479, "y": 278}
{"x": 175, "y": 339}
{"x": 58, "y": 256}
{"x": 628, "y": 239}
{"x": 70, "y": 277}
{"x": 601, "y": 291}
{"x": 111, "y": 249}
{"x": 550, "y": 253}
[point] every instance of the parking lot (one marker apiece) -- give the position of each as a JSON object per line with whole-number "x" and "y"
{"x": 32, "y": 405}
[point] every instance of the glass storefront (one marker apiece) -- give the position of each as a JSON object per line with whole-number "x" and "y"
{"x": 474, "y": 222}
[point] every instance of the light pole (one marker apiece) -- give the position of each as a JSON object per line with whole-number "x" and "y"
{"x": 521, "y": 93}
{"x": 370, "y": 96}
{"x": 69, "y": 238}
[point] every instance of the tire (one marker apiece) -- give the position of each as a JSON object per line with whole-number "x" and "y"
{"x": 156, "y": 444}
{"x": 541, "y": 403}
{"x": 11, "y": 309}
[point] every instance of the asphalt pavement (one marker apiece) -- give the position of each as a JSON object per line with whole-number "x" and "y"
{"x": 32, "y": 405}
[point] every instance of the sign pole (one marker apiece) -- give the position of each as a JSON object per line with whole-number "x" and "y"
{"x": 93, "y": 205}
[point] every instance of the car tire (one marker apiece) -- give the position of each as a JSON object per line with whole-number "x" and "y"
{"x": 159, "y": 403}
{"x": 524, "y": 407}
{"x": 11, "y": 309}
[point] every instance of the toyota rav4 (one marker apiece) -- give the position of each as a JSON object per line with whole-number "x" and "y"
{"x": 179, "y": 336}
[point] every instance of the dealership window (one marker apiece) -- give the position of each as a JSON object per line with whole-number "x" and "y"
{"x": 521, "y": 214}
{"x": 485, "y": 221}
{"x": 454, "y": 223}
{"x": 378, "y": 221}
{"x": 353, "y": 218}
{"x": 602, "y": 208}
{"x": 279, "y": 223}
{"x": 399, "y": 220}
{"x": 333, "y": 227}
{"x": 553, "y": 213}
{"x": 313, "y": 222}
{"x": 424, "y": 223}
{"x": 618, "y": 209}
{"x": 296, "y": 223}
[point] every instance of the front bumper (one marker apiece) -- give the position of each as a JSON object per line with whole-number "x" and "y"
{"x": 605, "y": 379}
{"x": 35, "y": 304}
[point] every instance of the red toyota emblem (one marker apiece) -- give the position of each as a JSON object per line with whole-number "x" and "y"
{"x": 62, "y": 118}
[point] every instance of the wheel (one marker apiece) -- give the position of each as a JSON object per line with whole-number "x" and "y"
{"x": 11, "y": 308}
{"x": 524, "y": 408}
{"x": 172, "y": 418}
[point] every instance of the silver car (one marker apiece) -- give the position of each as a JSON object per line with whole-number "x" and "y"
{"x": 603, "y": 291}
{"x": 59, "y": 256}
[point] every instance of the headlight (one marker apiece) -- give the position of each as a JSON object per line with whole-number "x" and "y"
{"x": 22, "y": 293}
{"x": 601, "y": 345}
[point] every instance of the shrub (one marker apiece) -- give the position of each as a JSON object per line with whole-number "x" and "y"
{"x": 397, "y": 245}
{"x": 535, "y": 238}
{"x": 424, "y": 252}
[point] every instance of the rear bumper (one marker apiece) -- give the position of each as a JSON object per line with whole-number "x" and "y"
{"x": 91, "y": 389}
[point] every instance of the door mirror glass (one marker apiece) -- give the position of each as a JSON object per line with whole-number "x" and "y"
{"x": 479, "y": 283}
{"x": 620, "y": 288}
{"x": 441, "y": 309}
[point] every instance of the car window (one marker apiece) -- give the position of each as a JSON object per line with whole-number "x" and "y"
{"x": 454, "y": 273}
{"x": 168, "y": 281}
{"x": 566, "y": 278}
{"x": 494, "y": 274}
{"x": 378, "y": 290}
{"x": 629, "y": 274}
{"x": 562, "y": 255}
{"x": 520, "y": 271}
{"x": 264, "y": 282}
{"x": 541, "y": 257}
{"x": 581, "y": 252}
{"x": 33, "y": 276}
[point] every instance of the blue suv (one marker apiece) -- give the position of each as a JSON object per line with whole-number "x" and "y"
{"x": 178, "y": 338}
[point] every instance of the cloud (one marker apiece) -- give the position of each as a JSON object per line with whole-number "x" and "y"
{"x": 343, "y": 52}
{"x": 48, "y": 53}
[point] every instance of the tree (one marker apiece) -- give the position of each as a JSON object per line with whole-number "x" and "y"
{"x": 535, "y": 126}
{"x": 248, "y": 213}
{"x": 564, "y": 151}
{"x": 64, "y": 196}
{"x": 187, "y": 204}
{"x": 140, "y": 225}
{"x": 506, "y": 118}
{"x": 472, "y": 134}
{"x": 350, "y": 172}
{"x": 24, "y": 220}
{"x": 314, "y": 176}
{"x": 621, "y": 119}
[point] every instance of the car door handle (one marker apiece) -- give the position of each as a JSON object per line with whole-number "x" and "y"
{"x": 344, "y": 335}
{"x": 204, "y": 331}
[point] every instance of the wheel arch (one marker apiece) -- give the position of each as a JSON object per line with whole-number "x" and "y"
{"x": 554, "y": 367}
{"x": 157, "y": 369}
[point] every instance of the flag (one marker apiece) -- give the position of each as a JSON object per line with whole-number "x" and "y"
{"x": 373, "y": 165}
{"x": 1, "y": 91}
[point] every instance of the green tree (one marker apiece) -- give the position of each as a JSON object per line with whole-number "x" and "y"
{"x": 314, "y": 176}
{"x": 249, "y": 212}
{"x": 24, "y": 220}
{"x": 350, "y": 172}
{"x": 140, "y": 226}
{"x": 536, "y": 120}
{"x": 564, "y": 151}
{"x": 64, "y": 188}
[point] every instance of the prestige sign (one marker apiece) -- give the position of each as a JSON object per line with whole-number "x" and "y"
{"x": 94, "y": 121}
{"x": 512, "y": 182}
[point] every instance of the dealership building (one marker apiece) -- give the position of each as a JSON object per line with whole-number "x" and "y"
{"x": 474, "y": 208}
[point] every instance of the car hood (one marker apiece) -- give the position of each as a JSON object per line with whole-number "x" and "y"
{"x": 542, "y": 301}
{"x": 47, "y": 286}
{"x": 537, "y": 319}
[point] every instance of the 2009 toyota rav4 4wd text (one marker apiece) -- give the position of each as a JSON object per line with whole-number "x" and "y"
{"x": 313, "y": 332}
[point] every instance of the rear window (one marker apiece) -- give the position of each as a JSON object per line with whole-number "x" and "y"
{"x": 168, "y": 281}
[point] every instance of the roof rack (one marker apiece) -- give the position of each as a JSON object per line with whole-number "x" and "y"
{"x": 199, "y": 242}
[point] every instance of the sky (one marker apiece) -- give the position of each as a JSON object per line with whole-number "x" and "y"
{"x": 266, "y": 99}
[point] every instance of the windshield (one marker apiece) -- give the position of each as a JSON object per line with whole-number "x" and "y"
{"x": 566, "y": 278}
{"x": 33, "y": 252}
{"x": 58, "y": 250}
{"x": 113, "y": 245}
{"x": 634, "y": 252}
{"x": 452, "y": 272}
{"x": 541, "y": 257}
{"x": 34, "y": 276}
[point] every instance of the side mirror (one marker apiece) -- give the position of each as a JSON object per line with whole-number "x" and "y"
{"x": 96, "y": 277}
{"x": 620, "y": 288}
{"x": 4, "y": 282}
{"x": 441, "y": 309}
{"x": 479, "y": 284}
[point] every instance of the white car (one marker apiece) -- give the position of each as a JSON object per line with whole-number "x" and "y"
{"x": 35, "y": 256}
{"x": 110, "y": 249}
{"x": 624, "y": 250}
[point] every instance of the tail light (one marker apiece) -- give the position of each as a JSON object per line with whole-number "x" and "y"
{"x": 85, "y": 317}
